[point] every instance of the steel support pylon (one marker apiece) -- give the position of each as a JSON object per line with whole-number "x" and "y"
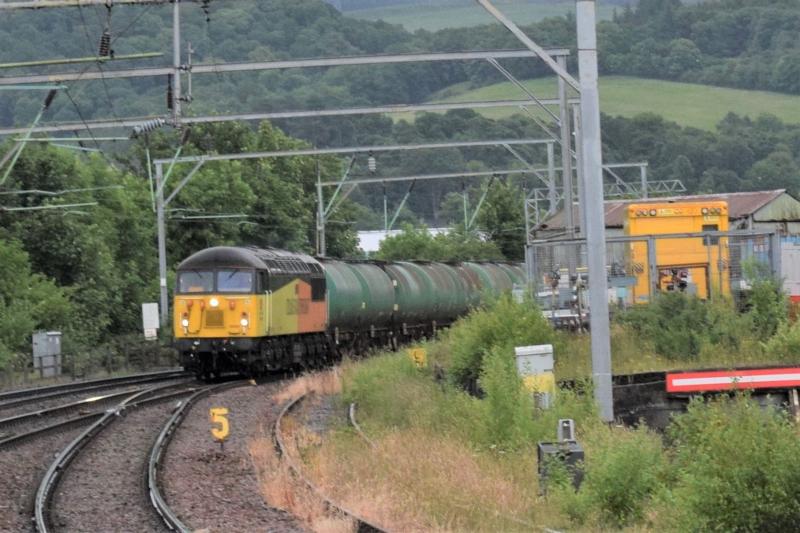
{"x": 592, "y": 156}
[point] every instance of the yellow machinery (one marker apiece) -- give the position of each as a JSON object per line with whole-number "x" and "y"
{"x": 696, "y": 265}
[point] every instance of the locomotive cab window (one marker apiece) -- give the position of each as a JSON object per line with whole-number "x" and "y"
{"x": 195, "y": 281}
{"x": 235, "y": 281}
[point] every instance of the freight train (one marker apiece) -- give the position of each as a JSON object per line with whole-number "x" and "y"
{"x": 251, "y": 310}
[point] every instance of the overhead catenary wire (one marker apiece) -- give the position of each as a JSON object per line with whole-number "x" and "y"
{"x": 20, "y": 146}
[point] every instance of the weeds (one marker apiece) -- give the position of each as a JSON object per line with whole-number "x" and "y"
{"x": 624, "y": 469}
{"x": 502, "y": 325}
{"x": 445, "y": 460}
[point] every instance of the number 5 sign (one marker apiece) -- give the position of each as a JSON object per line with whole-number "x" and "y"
{"x": 220, "y": 427}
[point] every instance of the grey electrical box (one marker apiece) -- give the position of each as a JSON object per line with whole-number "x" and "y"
{"x": 566, "y": 430}
{"x": 47, "y": 353}
{"x": 566, "y": 452}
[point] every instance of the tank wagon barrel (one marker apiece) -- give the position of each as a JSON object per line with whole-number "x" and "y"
{"x": 250, "y": 310}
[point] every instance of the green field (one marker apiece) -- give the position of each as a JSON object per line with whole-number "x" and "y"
{"x": 434, "y": 18}
{"x": 699, "y": 106}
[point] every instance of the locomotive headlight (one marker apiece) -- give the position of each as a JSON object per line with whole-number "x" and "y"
{"x": 244, "y": 321}
{"x": 704, "y": 211}
{"x": 185, "y": 322}
{"x": 214, "y": 302}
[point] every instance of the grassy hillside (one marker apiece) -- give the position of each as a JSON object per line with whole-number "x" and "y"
{"x": 699, "y": 106}
{"x": 434, "y": 18}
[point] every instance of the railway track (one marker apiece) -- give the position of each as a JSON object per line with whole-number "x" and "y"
{"x": 95, "y": 482}
{"x": 170, "y": 517}
{"x": 38, "y": 423}
{"x": 360, "y": 524}
{"x": 187, "y": 468}
{"x": 23, "y": 397}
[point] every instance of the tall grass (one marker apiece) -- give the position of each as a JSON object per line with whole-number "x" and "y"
{"x": 445, "y": 460}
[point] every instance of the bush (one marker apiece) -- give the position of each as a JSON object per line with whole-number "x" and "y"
{"x": 738, "y": 469}
{"x": 623, "y": 470}
{"x": 785, "y": 344}
{"x": 767, "y": 306}
{"x": 501, "y": 325}
{"x": 507, "y": 405}
{"x": 680, "y": 326}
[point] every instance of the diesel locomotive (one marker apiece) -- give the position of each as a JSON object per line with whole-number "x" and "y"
{"x": 251, "y": 310}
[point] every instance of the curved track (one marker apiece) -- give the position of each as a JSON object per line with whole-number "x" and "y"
{"x": 169, "y": 517}
{"x": 360, "y": 524}
{"x": 43, "y": 504}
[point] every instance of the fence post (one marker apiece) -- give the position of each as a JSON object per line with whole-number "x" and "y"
{"x": 708, "y": 269}
{"x": 720, "y": 266}
{"x": 653, "y": 268}
{"x": 775, "y": 254}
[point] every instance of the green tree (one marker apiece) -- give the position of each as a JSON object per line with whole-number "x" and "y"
{"x": 28, "y": 302}
{"x": 777, "y": 170}
{"x": 683, "y": 56}
{"x": 417, "y": 243}
{"x": 786, "y": 74}
{"x": 502, "y": 217}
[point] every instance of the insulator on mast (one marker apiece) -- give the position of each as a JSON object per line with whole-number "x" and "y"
{"x": 105, "y": 44}
{"x": 147, "y": 127}
{"x": 170, "y": 97}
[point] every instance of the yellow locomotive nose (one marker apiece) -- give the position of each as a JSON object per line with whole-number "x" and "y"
{"x": 218, "y": 316}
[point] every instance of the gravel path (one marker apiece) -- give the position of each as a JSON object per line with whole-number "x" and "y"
{"x": 215, "y": 490}
{"x": 103, "y": 489}
{"x": 21, "y": 469}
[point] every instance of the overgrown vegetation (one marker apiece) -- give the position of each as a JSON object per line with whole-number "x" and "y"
{"x": 734, "y": 466}
{"x": 728, "y": 464}
{"x": 624, "y": 469}
{"x": 494, "y": 329}
{"x": 682, "y": 327}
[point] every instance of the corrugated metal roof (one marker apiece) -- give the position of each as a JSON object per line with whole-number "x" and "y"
{"x": 740, "y": 205}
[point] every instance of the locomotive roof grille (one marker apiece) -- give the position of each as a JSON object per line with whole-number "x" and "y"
{"x": 278, "y": 262}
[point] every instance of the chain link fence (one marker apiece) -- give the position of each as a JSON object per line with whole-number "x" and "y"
{"x": 708, "y": 265}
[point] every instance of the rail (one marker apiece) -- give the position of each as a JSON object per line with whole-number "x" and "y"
{"x": 160, "y": 446}
{"x": 14, "y": 440}
{"x": 60, "y": 409}
{"x": 20, "y": 396}
{"x": 361, "y": 524}
{"x": 44, "y": 493}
